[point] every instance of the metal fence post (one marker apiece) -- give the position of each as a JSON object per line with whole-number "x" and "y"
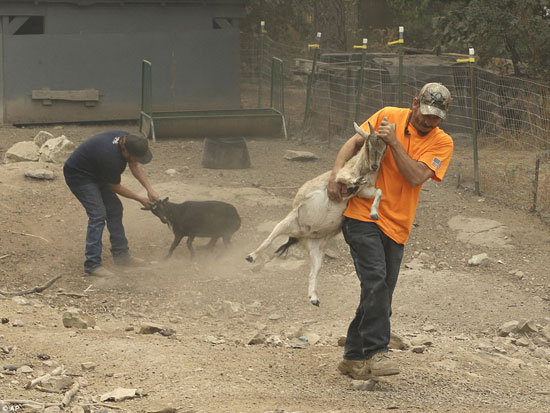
{"x": 535, "y": 185}
{"x": 278, "y": 63}
{"x": 361, "y": 78}
{"x": 147, "y": 98}
{"x": 471, "y": 64}
{"x": 400, "y": 42}
{"x": 311, "y": 77}
{"x": 260, "y": 62}
{"x": 474, "y": 119}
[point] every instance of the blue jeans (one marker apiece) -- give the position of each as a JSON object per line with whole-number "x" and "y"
{"x": 377, "y": 259}
{"x": 101, "y": 205}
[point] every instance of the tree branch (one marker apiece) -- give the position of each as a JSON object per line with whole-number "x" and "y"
{"x": 38, "y": 289}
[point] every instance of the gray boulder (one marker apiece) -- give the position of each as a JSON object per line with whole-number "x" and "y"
{"x": 56, "y": 150}
{"x": 22, "y": 152}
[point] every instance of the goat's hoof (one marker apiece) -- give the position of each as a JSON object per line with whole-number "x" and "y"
{"x": 316, "y": 303}
{"x": 374, "y": 216}
{"x": 250, "y": 258}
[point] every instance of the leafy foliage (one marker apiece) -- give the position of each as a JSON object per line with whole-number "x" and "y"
{"x": 510, "y": 29}
{"x": 516, "y": 30}
{"x": 296, "y": 22}
{"x": 286, "y": 20}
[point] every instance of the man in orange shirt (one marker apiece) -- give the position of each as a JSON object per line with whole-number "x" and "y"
{"x": 418, "y": 150}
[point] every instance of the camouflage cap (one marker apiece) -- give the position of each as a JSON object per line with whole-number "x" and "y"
{"x": 434, "y": 99}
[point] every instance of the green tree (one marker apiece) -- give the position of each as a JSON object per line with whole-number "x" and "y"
{"x": 516, "y": 30}
{"x": 286, "y": 20}
{"x": 329, "y": 19}
{"x": 296, "y": 22}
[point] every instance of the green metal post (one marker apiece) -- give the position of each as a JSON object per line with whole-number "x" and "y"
{"x": 282, "y": 88}
{"x": 272, "y": 82}
{"x": 536, "y": 184}
{"x": 474, "y": 119}
{"x": 147, "y": 98}
{"x": 260, "y": 63}
{"x": 277, "y": 68}
{"x": 361, "y": 79}
{"x": 401, "y": 43}
{"x": 311, "y": 78}
{"x": 142, "y": 94}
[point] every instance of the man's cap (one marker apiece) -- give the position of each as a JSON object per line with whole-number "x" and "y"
{"x": 434, "y": 99}
{"x": 138, "y": 147}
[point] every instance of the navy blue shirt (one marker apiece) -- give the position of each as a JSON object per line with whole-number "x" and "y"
{"x": 98, "y": 159}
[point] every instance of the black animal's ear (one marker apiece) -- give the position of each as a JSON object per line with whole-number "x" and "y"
{"x": 165, "y": 199}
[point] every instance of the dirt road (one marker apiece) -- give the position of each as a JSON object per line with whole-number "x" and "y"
{"x": 447, "y": 311}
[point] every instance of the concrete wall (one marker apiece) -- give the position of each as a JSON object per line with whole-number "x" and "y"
{"x": 101, "y": 46}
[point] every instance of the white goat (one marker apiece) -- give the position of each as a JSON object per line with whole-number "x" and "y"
{"x": 315, "y": 219}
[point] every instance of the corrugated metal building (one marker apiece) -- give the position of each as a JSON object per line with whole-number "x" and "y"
{"x": 80, "y": 60}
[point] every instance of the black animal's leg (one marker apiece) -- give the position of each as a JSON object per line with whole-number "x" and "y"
{"x": 190, "y": 239}
{"x": 212, "y": 242}
{"x": 175, "y": 243}
{"x": 226, "y": 240}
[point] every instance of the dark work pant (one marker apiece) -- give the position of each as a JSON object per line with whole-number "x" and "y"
{"x": 377, "y": 259}
{"x": 101, "y": 205}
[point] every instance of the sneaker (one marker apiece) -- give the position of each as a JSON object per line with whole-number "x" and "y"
{"x": 357, "y": 369}
{"x": 100, "y": 271}
{"x": 381, "y": 365}
{"x": 129, "y": 261}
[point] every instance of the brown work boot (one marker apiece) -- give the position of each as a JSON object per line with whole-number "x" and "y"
{"x": 381, "y": 365}
{"x": 357, "y": 369}
{"x": 100, "y": 271}
{"x": 129, "y": 261}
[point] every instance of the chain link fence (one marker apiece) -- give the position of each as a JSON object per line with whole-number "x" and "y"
{"x": 508, "y": 133}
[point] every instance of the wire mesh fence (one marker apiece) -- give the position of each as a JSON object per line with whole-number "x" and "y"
{"x": 509, "y": 128}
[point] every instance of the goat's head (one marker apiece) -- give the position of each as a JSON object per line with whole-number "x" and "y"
{"x": 159, "y": 209}
{"x": 374, "y": 146}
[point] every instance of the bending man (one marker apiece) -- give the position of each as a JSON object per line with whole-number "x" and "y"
{"x": 93, "y": 174}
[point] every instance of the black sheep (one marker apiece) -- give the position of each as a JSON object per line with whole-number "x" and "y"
{"x": 213, "y": 219}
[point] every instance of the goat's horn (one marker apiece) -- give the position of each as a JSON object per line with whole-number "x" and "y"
{"x": 360, "y": 131}
{"x": 372, "y": 131}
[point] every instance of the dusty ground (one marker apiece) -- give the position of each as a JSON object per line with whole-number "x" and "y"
{"x": 218, "y": 303}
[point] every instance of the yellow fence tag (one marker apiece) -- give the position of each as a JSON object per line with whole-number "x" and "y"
{"x": 396, "y": 41}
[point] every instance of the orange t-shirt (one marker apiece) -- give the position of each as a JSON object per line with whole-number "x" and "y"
{"x": 399, "y": 199}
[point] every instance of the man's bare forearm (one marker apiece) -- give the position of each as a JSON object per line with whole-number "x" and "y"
{"x": 416, "y": 173}
{"x": 128, "y": 193}
{"x": 139, "y": 174}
